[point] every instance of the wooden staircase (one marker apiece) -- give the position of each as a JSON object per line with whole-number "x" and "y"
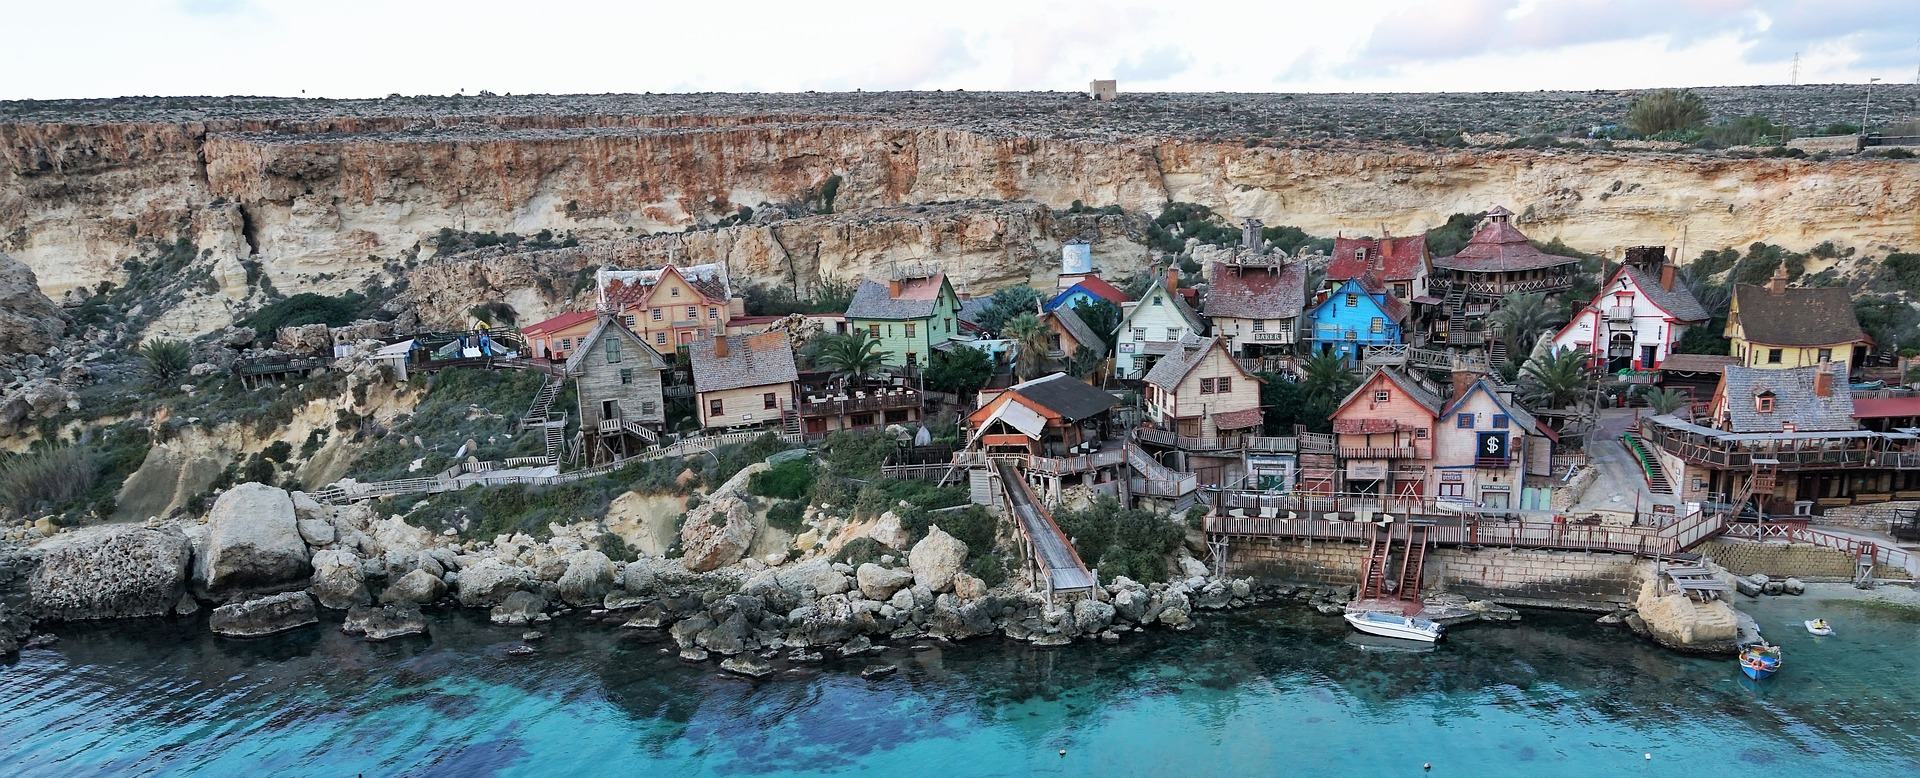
{"x": 1650, "y": 467}
{"x": 1497, "y": 352}
{"x": 1413, "y": 563}
{"x": 1373, "y": 573}
{"x": 1761, "y": 481}
{"x": 790, "y": 423}
{"x": 555, "y": 433}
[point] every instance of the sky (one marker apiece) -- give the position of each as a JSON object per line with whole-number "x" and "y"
{"x": 371, "y": 48}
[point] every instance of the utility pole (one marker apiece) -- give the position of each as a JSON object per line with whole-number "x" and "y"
{"x": 1868, "y": 109}
{"x": 1794, "y": 79}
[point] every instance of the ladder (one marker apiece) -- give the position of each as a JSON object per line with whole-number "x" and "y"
{"x": 1760, "y": 481}
{"x": 542, "y": 406}
{"x": 1373, "y": 577}
{"x": 1497, "y": 352}
{"x": 1863, "y": 566}
{"x": 790, "y": 423}
{"x": 556, "y": 439}
{"x": 1413, "y": 564}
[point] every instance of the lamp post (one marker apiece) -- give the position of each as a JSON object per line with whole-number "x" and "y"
{"x": 1868, "y": 108}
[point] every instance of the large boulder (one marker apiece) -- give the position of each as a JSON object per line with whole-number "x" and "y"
{"x": 817, "y": 575}
{"x": 1678, "y": 622}
{"x": 110, "y": 572}
{"x": 489, "y": 582}
{"x": 649, "y": 575}
{"x": 716, "y": 533}
{"x": 263, "y": 615}
{"x": 518, "y": 609}
{"x": 384, "y": 622}
{"x": 879, "y": 583}
{"x": 588, "y": 578}
{"x": 418, "y": 587}
{"x": 890, "y": 531}
{"x": 253, "y": 541}
{"x": 936, "y": 559}
{"x": 338, "y": 582}
{"x": 30, "y": 323}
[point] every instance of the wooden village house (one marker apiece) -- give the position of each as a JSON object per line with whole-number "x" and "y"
{"x": 1636, "y": 318}
{"x": 1777, "y": 327}
{"x": 744, "y": 381}
{"x": 911, "y": 313}
{"x": 617, "y": 377}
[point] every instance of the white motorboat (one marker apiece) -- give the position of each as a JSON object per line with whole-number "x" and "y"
{"x": 1819, "y": 627}
{"x": 1394, "y": 625}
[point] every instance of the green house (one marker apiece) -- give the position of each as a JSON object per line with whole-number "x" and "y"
{"x": 909, "y": 315}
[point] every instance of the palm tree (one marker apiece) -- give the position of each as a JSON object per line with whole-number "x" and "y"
{"x": 1084, "y": 363}
{"x": 1034, "y": 340}
{"x": 1664, "y": 401}
{"x": 1327, "y": 378}
{"x": 164, "y": 360}
{"x": 1520, "y": 319}
{"x": 1556, "y": 379}
{"x": 852, "y": 357}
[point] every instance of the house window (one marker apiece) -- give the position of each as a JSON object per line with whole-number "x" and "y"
{"x": 909, "y": 327}
{"x": 1353, "y": 300}
{"x": 693, "y": 312}
{"x": 1420, "y": 433}
{"x": 646, "y": 408}
{"x": 1206, "y": 386}
{"x": 1453, "y": 490}
{"x": 713, "y": 313}
{"x": 1773, "y": 356}
{"x": 613, "y": 350}
{"x": 1826, "y": 355}
{"x": 626, "y": 376}
{"x": 566, "y": 343}
{"x": 1379, "y": 325}
{"x": 1259, "y": 325}
{"x": 1139, "y": 333}
{"x": 632, "y": 322}
{"x": 1763, "y": 403}
{"x": 1463, "y": 421}
{"x": 1158, "y": 301}
{"x": 768, "y": 402}
{"x": 896, "y": 417}
{"x": 716, "y": 407}
{"x": 674, "y": 291}
{"x": 1382, "y": 395}
{"x": 912, "y": 359}
{"x": 1173, "y": 333}
{"x": 660, "y": 338}
{"x": 1499, "y": 421}
{"x": 1286, "y": 328}
{"x": 1223, "y": 385}
{"x": 873, "y": 330}
{"x": 1400, "y": 291}
{"x": 862, "y": 420}
{"x": 656, "y": 314}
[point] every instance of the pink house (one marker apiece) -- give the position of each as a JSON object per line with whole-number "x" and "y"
{"x": 1384, "y": 436}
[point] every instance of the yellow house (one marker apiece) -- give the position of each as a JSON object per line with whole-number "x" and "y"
{"x": 668, "y": 307}
{"x": 1775, "y": 327}
{"x": 743, "y": 380}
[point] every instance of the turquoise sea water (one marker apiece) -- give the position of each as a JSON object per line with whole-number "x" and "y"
{"x": 1268, "y": 692}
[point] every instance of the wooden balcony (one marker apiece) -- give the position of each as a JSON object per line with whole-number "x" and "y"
{"x": 1372, "y": 452}
{"x": 1494, "y": 463}
{"x": 841, "y": 405}
{"x": 1167, "y": 438}
{"x": 1790, "y": 451}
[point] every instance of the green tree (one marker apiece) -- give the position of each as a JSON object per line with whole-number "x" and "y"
{"x": 853, "y": 357}
{"x": 1557, "y": 379}
{"x": 1100, "y": 316}
{"x": 1034, "y": 340}
{"x": 1448, "y": 239}
{"x": 961, "y": 370}
{"x": 1326, "y": 379}
{"x": 1283, "y": 404}
{"x": 1084, "y": 363}
{"x": 163, "y": 361}
{"x": 1666, "y": 400}
{"x": 1520, "y": 320}
{"x": 1666, "y": 110}
{"x": 1007, "y": 303}
{"x": 1122, "y": 541}
{"x": 1704, "y": 339}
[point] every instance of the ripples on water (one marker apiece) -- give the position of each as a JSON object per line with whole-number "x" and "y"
{"x": 1266, "y": 692}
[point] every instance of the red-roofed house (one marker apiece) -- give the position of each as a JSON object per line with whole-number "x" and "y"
{"x": 555, "y": 338}
{"x": 1496, "y": 261}
{"x": 1401, "y": 264}
{"x": 1254, "y": 301}
{"x": 670, "y": 306}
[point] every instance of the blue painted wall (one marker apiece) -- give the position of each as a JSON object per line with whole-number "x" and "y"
{"x": 1342, "y": 327}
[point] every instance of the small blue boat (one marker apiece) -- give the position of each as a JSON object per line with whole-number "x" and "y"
{"x": 1760, "y": 660}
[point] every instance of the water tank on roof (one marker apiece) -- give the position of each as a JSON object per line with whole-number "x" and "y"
{"x": 1076, "y": 257}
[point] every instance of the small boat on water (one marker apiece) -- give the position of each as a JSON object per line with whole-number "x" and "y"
{"x": 1394, "y": 625}
{"x": 1819, "y": 627}
{"x": 1760, "y": 660}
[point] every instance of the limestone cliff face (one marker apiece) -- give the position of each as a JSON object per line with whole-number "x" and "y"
{"x": 312, "y": 200}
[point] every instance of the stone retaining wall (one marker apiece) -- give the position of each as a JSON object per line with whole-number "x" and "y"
{"x": 1782, "y": 560}
{"x": 1513, "y": 575}
{"x": 1867, "y": 517}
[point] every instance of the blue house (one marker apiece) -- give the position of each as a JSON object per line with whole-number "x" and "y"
{"x": 1087, "y": 289}
{"x": 1357, "y": 315}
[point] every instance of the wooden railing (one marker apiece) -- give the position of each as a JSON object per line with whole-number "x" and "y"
{"x": 1167, "y": 438}
{"x": 1789, "y": 453}
{"x": 1376, "y": 452}
{"x": 1795, "y": 532}
{"x": 852, "y": 404}
{"x": 1476, "y": 531}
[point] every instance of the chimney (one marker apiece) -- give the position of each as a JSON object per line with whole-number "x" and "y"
{"x": 1386, "y": 246}
{"x": 1463, "y": 378}
{"x": 720, "y": 347}
{"x": 1666, "y": 276}
{"x": 1777, "y": 285}
{"x": 893, "y": 288}
{"x": 1822, "y": 381}
{"x": 1173, "y": 279}
{"x": 1250, "y": 236}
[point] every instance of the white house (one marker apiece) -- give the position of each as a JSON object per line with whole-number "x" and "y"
{"x": 1152, "y": 327}
{"x": 1635, "y": 319}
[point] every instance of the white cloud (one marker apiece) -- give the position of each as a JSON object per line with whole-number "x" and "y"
{"x": 364, "y": 48}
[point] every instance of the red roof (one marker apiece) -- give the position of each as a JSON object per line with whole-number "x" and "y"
{"x": 1390, "y": 258}
{"x": 557, "y": 323}
{"x": 1099, "y": 287}
{"x": 1237, "y": 420}
{"x": 1885, "y": 407}
{"x": 1497, "y": 247}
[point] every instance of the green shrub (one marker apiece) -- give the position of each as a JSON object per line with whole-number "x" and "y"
{"x": 616, "y": 548}
{"x": 310, "y": 308}
{"x": 47, "y": 479}
{"x": 1666, "y": 110}
{"x": 791, "y": 480}
{"x": 1122, "y": 541}
{"x": 786, "y": 515}
{"x": 483, "y": 512}
{"x": 279, "y": 451}
{"x": 860, "y": 551}
{"x": 1905, "y": 269}
{"x": 856, "y": 453}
